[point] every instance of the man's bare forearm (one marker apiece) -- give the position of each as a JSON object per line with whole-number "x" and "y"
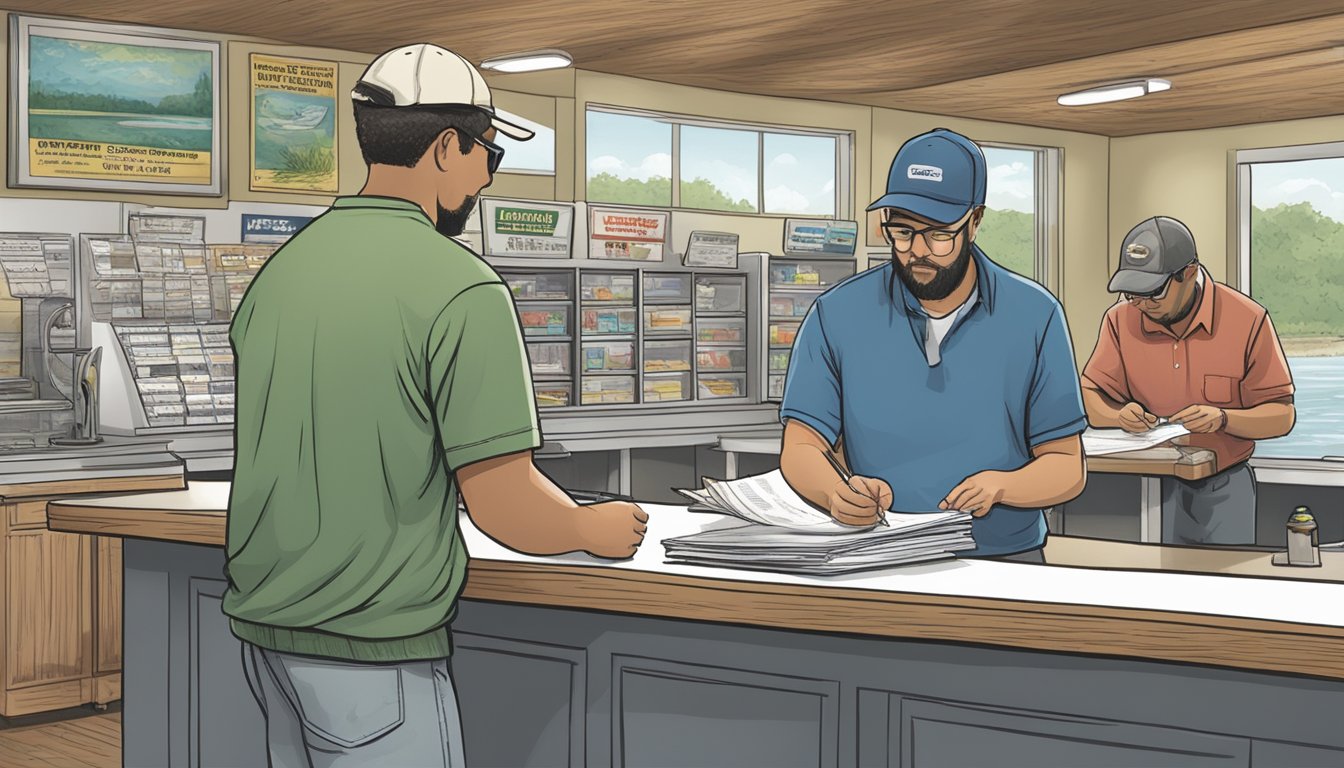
{"x": 1057, "y": 474}
{"x": 514, "y": 503}
{"x": 803, "y": 463}
{"x": 1262, "y": 422}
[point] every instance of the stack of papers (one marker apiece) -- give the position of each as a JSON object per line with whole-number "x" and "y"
{"x": 786, "y": 534}
{"x": 1100, "y": 442}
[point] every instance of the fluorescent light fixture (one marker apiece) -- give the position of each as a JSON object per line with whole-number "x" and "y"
{"x": 1115, "y": 92}
{"x": 531, "y": 61}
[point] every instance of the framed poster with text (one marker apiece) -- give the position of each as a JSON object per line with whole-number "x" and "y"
{"x": 517, "y": 228}
{"x": 627, "y": 234}
{"x": 293, "y": 125}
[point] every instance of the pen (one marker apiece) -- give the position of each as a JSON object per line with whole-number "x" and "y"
{"x": 835, "y": 464}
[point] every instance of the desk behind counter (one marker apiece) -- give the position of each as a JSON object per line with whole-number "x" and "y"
{"x": 569, "y": 660}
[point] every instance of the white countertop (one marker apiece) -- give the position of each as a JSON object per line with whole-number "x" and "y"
{"x": 1270, "y": 599}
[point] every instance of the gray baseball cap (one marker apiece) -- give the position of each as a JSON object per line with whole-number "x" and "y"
{"x": 1152, "y": 251}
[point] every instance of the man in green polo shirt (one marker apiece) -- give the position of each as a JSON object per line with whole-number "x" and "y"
{"x": 379, "y": 367}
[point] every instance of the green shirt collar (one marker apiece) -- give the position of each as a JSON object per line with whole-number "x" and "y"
{"x": 375, "y": 201}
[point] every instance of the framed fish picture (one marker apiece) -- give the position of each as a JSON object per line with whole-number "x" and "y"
{"x": 112, "y": 107}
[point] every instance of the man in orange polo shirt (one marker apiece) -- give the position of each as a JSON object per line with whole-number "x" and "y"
{"x": 1185, "y": 348}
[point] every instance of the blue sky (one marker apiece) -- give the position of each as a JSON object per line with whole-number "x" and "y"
{"x": 1319, "y": 182}
{"x": 130, "y": 71}
{"x": 799, "y": 171}
{"x": 1011, "y": 179}
{"x": 535, "y": 154}
{"x": 727, "y": 158}
{"x": 629, "y": 147}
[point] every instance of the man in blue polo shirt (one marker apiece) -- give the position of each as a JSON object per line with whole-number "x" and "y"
{"x": 941, "y": 379}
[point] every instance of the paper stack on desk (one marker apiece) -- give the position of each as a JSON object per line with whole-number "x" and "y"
{"x": 787, "y": 534}
{"x": 1101, "y": 442}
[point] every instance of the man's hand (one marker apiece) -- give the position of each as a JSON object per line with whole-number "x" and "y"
{"x": 1201, "y": 419}
{"x": 612, "y": 529}
{"x": 1134, "y": 418}
{"x": 863, "y": 507}
{"x": 977, "y": 493}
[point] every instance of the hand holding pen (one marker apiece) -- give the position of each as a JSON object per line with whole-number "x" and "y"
{"x": 858, "y": 501}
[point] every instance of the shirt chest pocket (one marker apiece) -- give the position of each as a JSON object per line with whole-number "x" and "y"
{"x": 1222, "y": 390}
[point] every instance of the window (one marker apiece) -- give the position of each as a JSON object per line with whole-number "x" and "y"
{"x": 1291, "y": 242}
{"x": 1020, "y": 196}
{"x": 629, "y": 160}
{"x": 655, "y": 160}
{"x": 536, "y": 155}
{"x": 800, "y": 174}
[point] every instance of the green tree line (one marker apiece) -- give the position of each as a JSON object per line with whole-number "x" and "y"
{"x": 657, "y": 191}
{"x": 1297, "y": 269}
{"x": 1008, "y": 238}
{"x": 198, "y": 103}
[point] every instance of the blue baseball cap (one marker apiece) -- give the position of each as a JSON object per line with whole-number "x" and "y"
{"x": 939, "y": 175}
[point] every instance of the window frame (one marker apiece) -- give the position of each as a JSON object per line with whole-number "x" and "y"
{"x": 1327, "y": 470}
{"x": 1048, "y": 166}
{"x": 1243, "y": 160}
{"x": 844, "y": 158}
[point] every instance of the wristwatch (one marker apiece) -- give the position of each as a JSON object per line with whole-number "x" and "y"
{"x": 1223, "y": 414}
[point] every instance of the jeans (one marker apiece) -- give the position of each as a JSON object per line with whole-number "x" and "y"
{"x": 1216, "y": 510}
{"x": 328, "y": 713}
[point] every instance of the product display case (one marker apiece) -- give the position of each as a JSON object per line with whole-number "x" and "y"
{"x": 608, "y": 301}
{"x": 158, "y": 300}
{"x": 794, "y": 284}
{"x": 667, "y": 325}
{"x": 600, "y": 335}
{"x": 545, "y": 302}
{"x": 722, "y": 340}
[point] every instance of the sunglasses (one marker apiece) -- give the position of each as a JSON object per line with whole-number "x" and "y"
{"x": 1160, "y": 293}
{"x": 496, "y": 153}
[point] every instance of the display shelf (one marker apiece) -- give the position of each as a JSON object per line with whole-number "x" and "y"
{"x": 793, "y": 286}
{"x": 636, "y": 334}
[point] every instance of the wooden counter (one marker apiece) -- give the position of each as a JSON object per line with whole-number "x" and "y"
{"x": 574, "y": 661}
{"x": 1114, "y": 599}
{"x": 60, "y": 593}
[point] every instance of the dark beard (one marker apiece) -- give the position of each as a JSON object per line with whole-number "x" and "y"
{"x": 1184, "y": 313}
{"x": 943, "y": 283}
{"x": 453, "y": 223}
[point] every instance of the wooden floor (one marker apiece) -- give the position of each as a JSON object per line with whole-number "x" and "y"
{"x": 76, "y": 739}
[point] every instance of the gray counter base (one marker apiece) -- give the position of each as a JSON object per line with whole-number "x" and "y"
{"x": 545, "y": 687}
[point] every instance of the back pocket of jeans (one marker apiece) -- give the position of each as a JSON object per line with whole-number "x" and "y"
{"x": 345, "y": 703}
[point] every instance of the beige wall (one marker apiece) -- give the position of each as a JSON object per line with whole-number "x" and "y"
{"x": 1191, "y": 176}
{"x": 1107, "y": 186}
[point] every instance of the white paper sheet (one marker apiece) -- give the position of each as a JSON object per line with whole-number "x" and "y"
{"x": 1100, "y": 442}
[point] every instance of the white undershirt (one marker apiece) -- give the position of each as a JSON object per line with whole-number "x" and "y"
{"x": 936, "y": 328}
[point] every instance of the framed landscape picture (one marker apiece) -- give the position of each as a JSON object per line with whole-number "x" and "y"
{"x": 115, "y": 108}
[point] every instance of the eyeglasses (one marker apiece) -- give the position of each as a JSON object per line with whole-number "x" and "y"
{"x": 1161, "y": 293}
{"x": 939, "y": 241}
{"x": 496, "y": 153}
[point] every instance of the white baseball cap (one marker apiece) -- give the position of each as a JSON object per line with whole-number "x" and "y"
{"x": 427, "y": 75}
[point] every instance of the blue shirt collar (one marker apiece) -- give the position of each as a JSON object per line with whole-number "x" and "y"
{"x": 984, "y": 285}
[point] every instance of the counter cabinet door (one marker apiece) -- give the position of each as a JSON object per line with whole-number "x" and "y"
{"x": 49, "y": 611}
{"x": 936, "y": 733}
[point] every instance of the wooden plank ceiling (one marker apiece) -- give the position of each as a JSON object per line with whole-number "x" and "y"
{"x": 1230, "y": 62}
